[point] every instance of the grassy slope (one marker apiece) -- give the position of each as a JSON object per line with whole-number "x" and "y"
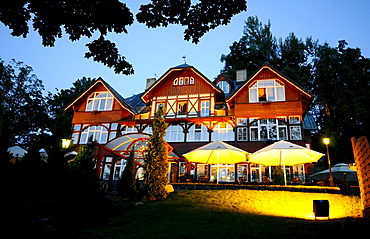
{"x": 188, "y": 215}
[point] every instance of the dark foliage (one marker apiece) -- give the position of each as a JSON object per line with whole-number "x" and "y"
{"x": 82, "y": 18}
{"x": 126, "y": 185}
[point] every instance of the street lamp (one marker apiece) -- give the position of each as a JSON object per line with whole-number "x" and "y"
{"x": 326, "y": 141}
{"x": 66, "y": 143}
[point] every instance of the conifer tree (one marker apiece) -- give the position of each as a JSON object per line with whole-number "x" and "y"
{"x": 155, "y": 167}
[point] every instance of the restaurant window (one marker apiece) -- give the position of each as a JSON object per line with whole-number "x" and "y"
{"x": 198, "y": 132}
{"x": 174, "y": 133}
{"x": 204, "y": 112}
{"x": 242, "y": 134}
{"x": 295, "y": 133}
{"x": 182, "y": 108}
{"x": 97, "y": 133}
{"x": 266, "y": 90}
{"x": 264, "y": 129}
{"x": 100, "y": 101}
{"x": 223, "y": 131}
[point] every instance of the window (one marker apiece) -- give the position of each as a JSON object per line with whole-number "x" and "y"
{"x": 242, "y": 121}
{"x": 204, "y": 112}
{"x": 198, "y": 132}
{"x": 191, "y": 80}
{"x": 182, "y": 108}
{"x": 266, "y": 90}
{"x": 186, "y": 80}
{"x": 181, "y": 81}
{"x": 224, "y": 86}
{"x": 119, "y": 166}
{"x": 223, "y": 131}
{"x": 242, "y": 134}
{"x": 294, "y": 120}
{"x": 264, "y": 129}
{"x": 100, "y": 101}
{"x": 175, "y": 81}
{"x": 97, "y": 133}
{"x": 295, "y": 133}
{"x": 174, "y": 133}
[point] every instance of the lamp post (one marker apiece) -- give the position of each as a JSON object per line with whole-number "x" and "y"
{"x": 66, "y": 143}
{"x": 326, "y": 141}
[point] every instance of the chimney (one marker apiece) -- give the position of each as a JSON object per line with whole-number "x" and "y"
{"x": 241, "y": 75}
{"x": 150, "y": 82}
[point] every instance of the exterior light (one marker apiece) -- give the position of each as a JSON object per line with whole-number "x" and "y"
{"x": 326, "y": 141}
{"x": 66, "y": 143}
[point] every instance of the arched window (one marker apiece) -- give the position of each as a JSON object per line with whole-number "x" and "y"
{"x": 223, "y": 131}
{"x": 197, "y": 132}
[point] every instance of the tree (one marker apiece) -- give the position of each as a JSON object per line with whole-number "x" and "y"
{"x": 126, "y": 185}
{"x": 59, "y": 123}
{"x": 341, "y": 82}
{"x": 23, "y": 107}
{"x": 81, "y": 18}
{"x": 294, "y": 58}
{"x": 255, "y": 47}
{"x": 155, "y": 162}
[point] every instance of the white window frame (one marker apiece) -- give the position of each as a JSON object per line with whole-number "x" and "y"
{"x": 197, "y": 133}
{"x": 174, "y": 133}
{"x": 224, "y": 86}
{"x": 273, "y": 88}
{"x": 98, "y": 133}
{"x": 205, "y": 108}
{"x": 100, "y": 101}
{"x": 267, "y": 126}
{"x": 223, "y": 131}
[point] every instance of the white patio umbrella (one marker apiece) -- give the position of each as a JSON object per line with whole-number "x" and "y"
{"x": 283, "y": 153}
{"x": 217, "y": 152}
{"x": 339, "y": 171}
{"x": 17, "y": 151}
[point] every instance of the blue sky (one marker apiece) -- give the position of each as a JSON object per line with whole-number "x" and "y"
{"x": 153, "y": 51}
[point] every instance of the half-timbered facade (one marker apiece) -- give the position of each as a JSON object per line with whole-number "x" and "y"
{"x": 248, "y": 113}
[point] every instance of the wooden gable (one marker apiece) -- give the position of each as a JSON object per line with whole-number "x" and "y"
{"x": 120, "y": 108}
{"x": 296, "y": 99}
{"x": 181, "y": 80}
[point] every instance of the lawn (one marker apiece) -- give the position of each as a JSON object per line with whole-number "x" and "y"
{"x": 189, "y": 214}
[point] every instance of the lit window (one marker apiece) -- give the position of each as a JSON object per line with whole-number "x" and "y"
{"x": 266, "y": 90}
{"x": 182, "y": 108}
{"x": 100, "y": 101}
{"x": 223, "y": 131}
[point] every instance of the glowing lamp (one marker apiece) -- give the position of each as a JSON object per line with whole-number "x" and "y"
{"x": 66, "y": 143}
{"x": 326, "y": 141}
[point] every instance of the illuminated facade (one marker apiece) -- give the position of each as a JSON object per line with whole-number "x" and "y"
{"x": 247, "y": 113}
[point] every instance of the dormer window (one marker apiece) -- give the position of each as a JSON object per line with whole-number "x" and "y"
{"x": 100, "y": 101}
{"x": 183, "y": 81}
{"x": 266, "y": 90}
{"x": 224, "y": 86}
